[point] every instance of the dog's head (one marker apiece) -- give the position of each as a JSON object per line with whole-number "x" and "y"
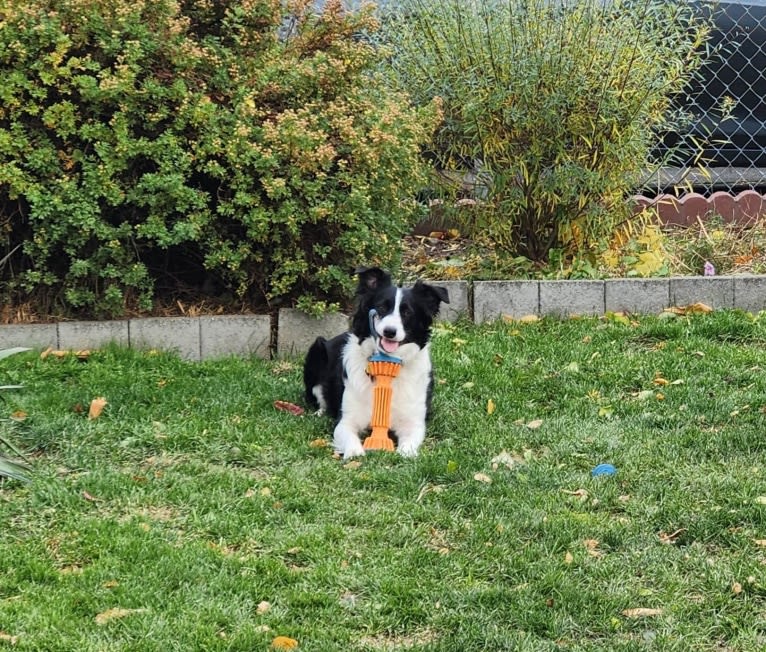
{"x": 403, "y": 316}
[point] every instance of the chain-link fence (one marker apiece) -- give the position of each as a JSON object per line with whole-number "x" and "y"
{"x": 734, "y": 148}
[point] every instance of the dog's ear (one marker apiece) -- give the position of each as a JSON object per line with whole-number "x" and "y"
{"x": 371, "y": 279}
{"x": 431, "y": 296}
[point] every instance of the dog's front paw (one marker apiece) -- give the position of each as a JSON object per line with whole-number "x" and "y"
{"x": 350, "y": 449}
{"x": 408, "y": 449}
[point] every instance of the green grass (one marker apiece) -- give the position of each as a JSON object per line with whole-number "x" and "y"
{"x": 191, "y": 500}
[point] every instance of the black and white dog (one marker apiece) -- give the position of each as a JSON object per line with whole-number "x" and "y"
{"x": 334, "y": 372}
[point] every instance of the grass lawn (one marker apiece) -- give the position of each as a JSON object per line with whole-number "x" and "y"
{"x": 192, "y": 515}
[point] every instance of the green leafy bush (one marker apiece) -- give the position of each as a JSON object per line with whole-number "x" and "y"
{"x": 147, "y": 144}
{"x": 555, "y": 105}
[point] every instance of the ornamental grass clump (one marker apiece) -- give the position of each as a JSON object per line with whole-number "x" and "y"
{"x": 554, "y": 107}
{"x": 245, "y": 148}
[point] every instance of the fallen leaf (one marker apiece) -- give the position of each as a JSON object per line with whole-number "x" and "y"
{"x": 111, "y": 584}
{"x": 19, "y": 415}
{"x": 506, "y": 459}
{"x": 760, "y": 542}
{"x": 262, "y": 607}
{"x": 761, "y": 500}
{"x": 582, "y": 494}
{"x": 534, "y": 425}
{"x": 7, "y": 638}
{"x": 284, "y": 643}
{"x": 96, "y": 407}
{"x": 286, "y": 406}
{"x": 644, "y": 395}
{"x": 89, "y": 497}
{"x": 568, "y": 558}
{"x": 659, "y": 380}
{"x": 116, "y": 613}
{"x": 353, "y": 464}
{"x": 482, "y": 477}
{"x": 591, "y": 545}
{"x": 672, "y": 537}
{"x": 641, "y": 612}
{"x": 490, "y": 406}
{"x": 736, "y": 588}
{"x": 698, "y": 307}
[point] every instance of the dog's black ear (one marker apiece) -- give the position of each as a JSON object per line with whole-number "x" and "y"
{"x": 431, "y": 295}
{"x": 372, "y": 278}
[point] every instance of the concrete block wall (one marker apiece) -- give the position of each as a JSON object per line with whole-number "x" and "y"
{"x": 215, "y": 336}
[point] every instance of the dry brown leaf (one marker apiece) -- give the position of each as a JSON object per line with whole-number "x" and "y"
{"x": 19, "y": 415}
{"x": 568, "y": 558}
{"x": 736, "y": 588}
{"x": 319, "y": 443}
{"x": 262, "y": 607}
{"x": 641, "y": 612}
{"x": 90, "y": 497}
{"x": 760, "y": 542}
{"x": 114, "y": 614}
{"x": 591, "y": 545}
{"x": 482, "y": 477}
{"x": 96, "y": 407}
{"x": 353, "y": 464}
{"x": 534, "y": 425}
{"x": 582, "y": 494}
{"x": 672, "y": 537}
{"x": 659, "y": 380}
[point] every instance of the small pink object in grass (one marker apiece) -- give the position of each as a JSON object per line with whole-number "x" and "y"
{"x": 286, "y": 406}
{"x": 708, "y": 269}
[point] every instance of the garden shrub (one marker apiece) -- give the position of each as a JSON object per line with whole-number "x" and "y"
{"x": 556, "y": 107}
{"x": 218, "y": 145}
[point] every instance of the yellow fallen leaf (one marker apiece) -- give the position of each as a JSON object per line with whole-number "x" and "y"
{"x": 284, "y": 643}
{"x": 353, "y": 464}
{"x": 568, "y": 558}
{"x": 641, "y": 612}
{"x": 318, "y": 443}
{"x": 659, "y": 380}
{"x": 96, "y": 407}
{"x": 482, "y": 477}
{"x": 698, "y": 307}
{"x": 490, "y": 406}
{"x": 114, "y": 614}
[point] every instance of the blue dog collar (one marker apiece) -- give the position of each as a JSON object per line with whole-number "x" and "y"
{"x": 379, "y": 356}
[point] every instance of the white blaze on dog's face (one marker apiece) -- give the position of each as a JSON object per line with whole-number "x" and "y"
{"x": 390, "y": 328}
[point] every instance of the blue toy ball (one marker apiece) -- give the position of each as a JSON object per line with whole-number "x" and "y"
{"x": 603, "y": 469}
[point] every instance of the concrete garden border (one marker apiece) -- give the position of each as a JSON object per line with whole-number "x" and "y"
{"x": 210, "y": 337}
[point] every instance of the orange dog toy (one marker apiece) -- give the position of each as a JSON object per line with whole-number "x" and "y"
{"x": 383, "y": 369}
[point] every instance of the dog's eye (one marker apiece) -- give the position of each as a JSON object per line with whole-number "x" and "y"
{"x": 405, "y": 311}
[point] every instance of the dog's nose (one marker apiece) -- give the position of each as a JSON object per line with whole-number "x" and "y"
{"x": 389, "y": 333}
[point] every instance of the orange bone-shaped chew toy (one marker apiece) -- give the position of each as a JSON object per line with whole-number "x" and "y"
{"x": 384, "y": 372}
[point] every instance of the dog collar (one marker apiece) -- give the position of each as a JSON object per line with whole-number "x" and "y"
{"x": 379, "y": 356}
